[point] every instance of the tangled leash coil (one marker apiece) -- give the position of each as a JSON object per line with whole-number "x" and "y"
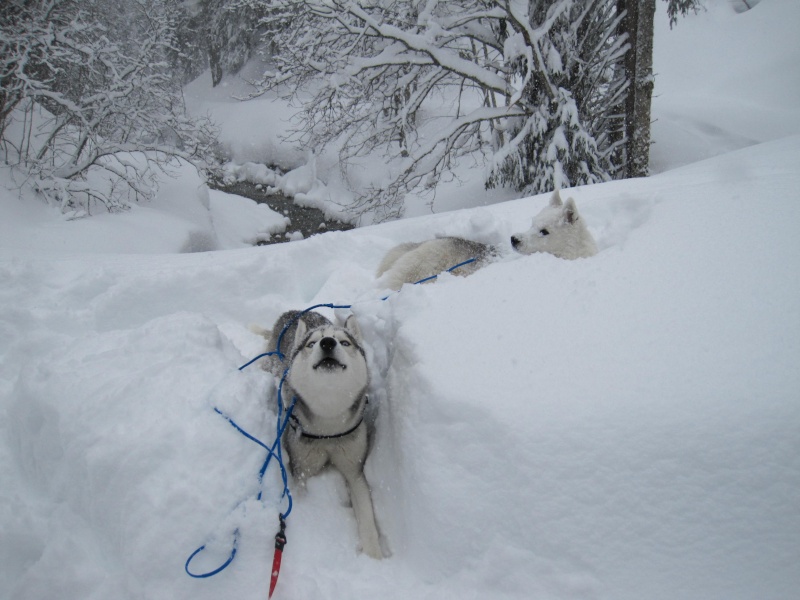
{"x": 272, "y": 451}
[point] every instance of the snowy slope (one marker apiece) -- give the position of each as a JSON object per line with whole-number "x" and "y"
{"x": 724, "y": 80}
{"x": 621, "y": 427}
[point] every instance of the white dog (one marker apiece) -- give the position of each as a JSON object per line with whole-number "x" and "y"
{"x": 558, "y": 229}
{"x": 328, "y": 379}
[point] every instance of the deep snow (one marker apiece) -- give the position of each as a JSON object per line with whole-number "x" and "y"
{"x": 622, "y": 427}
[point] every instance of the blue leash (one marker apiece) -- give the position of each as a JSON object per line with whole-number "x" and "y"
{"x": 275, "y": 449}
{"x": 432, "y": 277}
{"x": 450, "y": 270}
{"x": 272, "y": 451}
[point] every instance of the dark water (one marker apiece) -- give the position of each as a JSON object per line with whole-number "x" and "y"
{"x": 308, "y": 221}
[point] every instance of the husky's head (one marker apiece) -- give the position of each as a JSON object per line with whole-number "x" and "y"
{"x": 329, "y": 367}
{"x": 557, "y": 229}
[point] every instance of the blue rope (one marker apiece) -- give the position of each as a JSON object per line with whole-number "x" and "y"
{"x": 217, "y": 570}
{"x": 250, "y": 362}
{"x": 450, "y": 270}
{"x": 461, "y": 264}
{"x": 272, "y": 451}
{"x": 432, "y": 277}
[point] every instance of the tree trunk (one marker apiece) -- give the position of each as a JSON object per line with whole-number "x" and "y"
{"x": 215, "y": 62}
{"x": 638, "y": 24}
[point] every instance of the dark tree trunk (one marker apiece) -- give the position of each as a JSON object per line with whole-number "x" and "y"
{"x": 215, "y": 62}
{"x": 638, "y": 24}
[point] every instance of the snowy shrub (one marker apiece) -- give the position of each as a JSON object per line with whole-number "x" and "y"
{"x": 89, "y": 106}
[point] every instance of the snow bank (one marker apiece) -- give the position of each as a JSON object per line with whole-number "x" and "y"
{"x": 593, "y": 390}
{"x": 240, "y": 223}
{"x": 250, "y": 171}
{"x": 185, "y": 216}
{"x": 250, "y": 131}
{"x": 618, "y": 427}
{"x": 177, "y": 220}
{"x": 724, "y": 80}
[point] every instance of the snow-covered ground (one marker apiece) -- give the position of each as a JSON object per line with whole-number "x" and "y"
{"x": 621, "y": 427}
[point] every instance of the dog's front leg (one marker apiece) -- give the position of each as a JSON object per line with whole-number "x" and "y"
{"x": 361, "y": 499}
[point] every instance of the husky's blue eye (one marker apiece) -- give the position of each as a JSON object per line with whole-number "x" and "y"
{"x": 543, "y": 232}
{"x": 344, "y": 343}
{"x": 310, "y": 344}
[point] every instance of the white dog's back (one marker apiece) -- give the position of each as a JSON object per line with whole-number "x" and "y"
{"x": 393, "y": 254}
{"x": 414, "y": 261}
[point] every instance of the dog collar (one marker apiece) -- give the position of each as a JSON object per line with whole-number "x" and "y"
{"x": 297, "y": 427}
{"x": 295, "y": 423}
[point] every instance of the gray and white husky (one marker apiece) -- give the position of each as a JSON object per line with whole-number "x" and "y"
{"x": 558, "y": 229}
{"x": 328, "y": 376}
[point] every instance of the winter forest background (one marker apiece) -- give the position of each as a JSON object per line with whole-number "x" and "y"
{"x": 540, "y": 94}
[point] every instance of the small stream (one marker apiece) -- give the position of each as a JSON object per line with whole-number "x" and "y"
{"x": 308, "y": 221}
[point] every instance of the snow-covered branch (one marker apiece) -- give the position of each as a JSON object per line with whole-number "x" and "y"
{"x": 515, "y": 81}
{"x": 79, "y": 96}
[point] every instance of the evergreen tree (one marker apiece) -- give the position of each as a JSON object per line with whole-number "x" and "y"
{"x": 576, "y": 98}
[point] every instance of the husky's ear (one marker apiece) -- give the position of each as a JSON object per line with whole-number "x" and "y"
{"x": 351, "y": 325}
{"x": 299, "y": 333}
{"x": 555, "y": 199}
{"x": 570, "y": 212}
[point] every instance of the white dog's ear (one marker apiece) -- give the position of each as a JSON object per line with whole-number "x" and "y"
{"x": 570, "y": 211}
{"x": 351, "y": 325}
{"x": 555, "y": 199}
{"x": 299, "y": 333}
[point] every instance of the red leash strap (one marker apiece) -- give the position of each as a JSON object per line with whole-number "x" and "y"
{"x": 280, "y": 542}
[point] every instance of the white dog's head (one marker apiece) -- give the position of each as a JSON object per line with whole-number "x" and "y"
{"x": 329, "y": 367}
{"x": 559, "y": 230}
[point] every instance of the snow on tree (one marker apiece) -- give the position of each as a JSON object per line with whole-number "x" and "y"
{"x": 676, "y": 8}
{"x": 89, "y": 108}
{"x": 532, "y": 86}
{"x": 218, "y": 34}
{"x": 571, "y": 133}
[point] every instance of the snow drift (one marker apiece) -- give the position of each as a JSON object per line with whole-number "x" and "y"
{"x": 617, "y": 427}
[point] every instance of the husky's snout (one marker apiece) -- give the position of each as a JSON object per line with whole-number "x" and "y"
{"x": 329, "y": 361}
